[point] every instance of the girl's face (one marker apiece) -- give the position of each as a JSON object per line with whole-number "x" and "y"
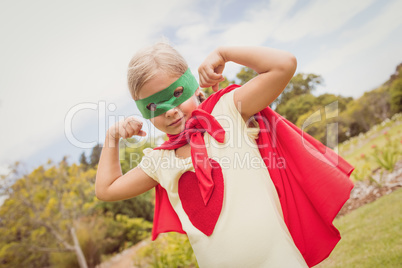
{"x": 173, "y": 121}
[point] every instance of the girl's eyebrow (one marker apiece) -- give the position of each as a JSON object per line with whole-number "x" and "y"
{"x": 166, "y": 99}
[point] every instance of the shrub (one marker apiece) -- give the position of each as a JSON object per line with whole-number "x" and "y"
{"x": 169, "y": 250}
{"x": 388, "y": 155}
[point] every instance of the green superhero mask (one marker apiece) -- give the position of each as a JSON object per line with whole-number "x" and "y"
{"x": 161, "y": 102}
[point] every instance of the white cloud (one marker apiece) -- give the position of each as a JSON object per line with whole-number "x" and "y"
{"x": 319, "y": 18}
{"x": 192, "y": 33}
{"x": 56, "y": 55}
{"x": 274, "y": 20}
{"x": 365, "y": 71}
{"x": 356, "y": 42}
{"x": 205, "y": 33}
{"x": 359, "y": 54}
{"x": 259, "y": 25}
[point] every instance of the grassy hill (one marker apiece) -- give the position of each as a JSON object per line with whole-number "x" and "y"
{"x": 371, "y": 235}
{"x": 359, "y": 151}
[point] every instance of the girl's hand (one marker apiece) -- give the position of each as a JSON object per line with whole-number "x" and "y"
{"x": 126, "y": 129}
{"x": 275, "y": 68}
{"x": 210, "y": 71}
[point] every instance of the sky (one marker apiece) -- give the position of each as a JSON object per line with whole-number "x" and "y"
{"x": 63, "y": 64}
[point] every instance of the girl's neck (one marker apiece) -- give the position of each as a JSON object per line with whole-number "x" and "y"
{"x": 183, "y": 152}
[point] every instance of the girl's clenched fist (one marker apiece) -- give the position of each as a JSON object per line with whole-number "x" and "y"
{"x": 126, "y": 129}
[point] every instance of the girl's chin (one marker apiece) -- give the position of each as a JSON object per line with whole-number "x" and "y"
{"x": 174, "y": 130}
{"x": 177, "y": 130}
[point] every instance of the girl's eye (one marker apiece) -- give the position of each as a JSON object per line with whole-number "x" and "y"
{"x": 178, "y": 91}
{"x": 151, "y": 107}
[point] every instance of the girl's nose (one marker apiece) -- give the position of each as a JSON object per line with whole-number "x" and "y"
{"x": 172, "y": 112}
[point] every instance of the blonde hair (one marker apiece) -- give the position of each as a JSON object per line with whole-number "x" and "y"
{"x": 147, "y": 62}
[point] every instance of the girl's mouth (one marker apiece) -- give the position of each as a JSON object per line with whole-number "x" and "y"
{"x": 177, "y": 122}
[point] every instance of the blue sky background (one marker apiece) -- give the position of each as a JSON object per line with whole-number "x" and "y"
{"x": 59, "y": 56}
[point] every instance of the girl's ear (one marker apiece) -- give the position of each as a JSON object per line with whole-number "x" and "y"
{"x": 200, "y": 95}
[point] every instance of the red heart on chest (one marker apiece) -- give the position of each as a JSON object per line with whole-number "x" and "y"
{"x": 203, "y": 217}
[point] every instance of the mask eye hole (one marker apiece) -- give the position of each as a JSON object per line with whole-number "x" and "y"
{"x": 178, "y": 92}
{"x": 151, "y": 107}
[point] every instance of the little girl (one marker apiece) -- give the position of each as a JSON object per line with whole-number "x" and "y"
{"x": 215, "y": 177}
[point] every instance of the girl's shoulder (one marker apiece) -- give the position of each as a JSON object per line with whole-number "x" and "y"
{"x": 225, "y": 105}
{"x": 150, "y": 152}
{"x": 163, "y": 165}
{"x": 163, "y": 153}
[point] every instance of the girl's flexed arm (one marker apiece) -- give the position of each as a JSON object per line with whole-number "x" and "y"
{"x": 275, "y": 68}
{"x": 111, "y": 184}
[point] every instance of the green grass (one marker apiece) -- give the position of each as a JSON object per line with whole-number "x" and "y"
{"x": 371, "y": 235}
{"x": 365, "y": 165}
{"x": 393, "y": 131}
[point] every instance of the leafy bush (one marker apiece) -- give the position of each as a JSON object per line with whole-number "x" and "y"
{"x": 169, "y": 250}
{"x": 388, "y": 155}
{"x": 136, "y": 229}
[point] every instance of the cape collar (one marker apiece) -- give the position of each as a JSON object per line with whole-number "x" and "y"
{"x": 199, "y": 123}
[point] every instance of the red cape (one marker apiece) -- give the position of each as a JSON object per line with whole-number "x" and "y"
{"x": 312, "y": 182}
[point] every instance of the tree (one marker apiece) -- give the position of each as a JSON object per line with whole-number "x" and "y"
{"x": 225, "y": 83}
{"x": 297, "y": 106}
{"x": 83, "y": 160}
{"x": 327, "y": 108}
{"x": 42, "y": 212}
{"x": 209, "y": 91}
{"x": 95, "y": 155}
{"x": 245, "y": 75}
{"x": 396, "y": 96}
{"x": 396, "y": 75}
{"x": 370, "y": 109}
{"x": 299, "y": 84}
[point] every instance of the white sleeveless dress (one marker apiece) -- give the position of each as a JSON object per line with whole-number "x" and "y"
{"x": 250, "y": 231}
